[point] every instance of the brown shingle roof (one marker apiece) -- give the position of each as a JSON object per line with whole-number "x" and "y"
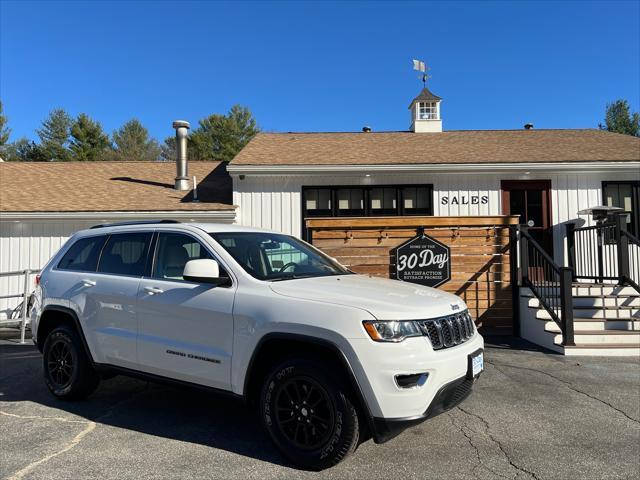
{"x": 109, "y": 186}
{"x": 466, "y": 147}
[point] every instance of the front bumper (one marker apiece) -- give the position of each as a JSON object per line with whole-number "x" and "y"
{"x": 450, "y": 395}
{"x": 378, "y": 364}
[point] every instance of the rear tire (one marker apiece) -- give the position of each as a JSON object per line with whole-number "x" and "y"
{"x": 309, "y": 415}
{"x": 67, "y": 369}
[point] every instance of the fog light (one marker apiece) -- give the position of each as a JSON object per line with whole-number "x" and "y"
{"x": 411, "y": 381}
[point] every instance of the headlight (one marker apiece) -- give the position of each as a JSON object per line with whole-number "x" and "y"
{"x": 391, "y": 330}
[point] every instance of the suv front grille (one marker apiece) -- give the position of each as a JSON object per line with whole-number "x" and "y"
{"x": 449, "y": 331}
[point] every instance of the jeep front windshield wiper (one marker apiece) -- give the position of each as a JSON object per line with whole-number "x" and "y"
{"x": 296, "y": 276}
{"x": 293, "y": 277}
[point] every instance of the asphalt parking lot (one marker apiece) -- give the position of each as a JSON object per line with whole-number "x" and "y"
{"x": 532, "y": 415}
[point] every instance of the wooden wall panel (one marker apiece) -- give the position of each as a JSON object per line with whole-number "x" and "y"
{"x": 480, "y": 260}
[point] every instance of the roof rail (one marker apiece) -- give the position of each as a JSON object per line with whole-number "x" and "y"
{"x": 133, "y": 222}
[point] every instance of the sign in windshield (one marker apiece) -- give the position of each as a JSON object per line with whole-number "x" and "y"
{"x": 423, "y": 260}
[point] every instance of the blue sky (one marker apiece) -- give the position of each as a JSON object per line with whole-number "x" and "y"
{"x": 318, "y": 66}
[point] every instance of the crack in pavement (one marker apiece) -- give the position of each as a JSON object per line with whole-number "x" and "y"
{"x": 479, "y": 463}
{"x": 77, "y": 439}
{"x": 568, "y": 385}
{"x": 488, "y": 433}
{"x": 477, "y": 451}
{"x": 91, "y": 426}
{"x": 37, "y": 417}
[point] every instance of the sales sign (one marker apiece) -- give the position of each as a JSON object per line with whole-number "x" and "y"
{"x": 423, "y": 260}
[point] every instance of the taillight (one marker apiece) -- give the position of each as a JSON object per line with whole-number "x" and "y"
{"x": 38, "y": 279}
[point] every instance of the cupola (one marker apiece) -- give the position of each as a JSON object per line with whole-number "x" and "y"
{"x": 425, "y": 112}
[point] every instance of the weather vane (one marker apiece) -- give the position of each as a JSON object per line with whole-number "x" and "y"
{"x": 421, "y": 67}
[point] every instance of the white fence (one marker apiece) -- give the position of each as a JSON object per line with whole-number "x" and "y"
{"x": 20, "y": 301}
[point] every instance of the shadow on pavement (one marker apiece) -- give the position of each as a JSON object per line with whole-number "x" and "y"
{"x": 505, "y": 342}
{"x": 184, "y": 414}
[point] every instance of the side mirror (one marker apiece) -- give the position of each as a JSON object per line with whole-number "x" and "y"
{"x": 203, "y": 271}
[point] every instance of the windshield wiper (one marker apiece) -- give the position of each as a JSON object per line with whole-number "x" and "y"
{"x": 292, "y": 277}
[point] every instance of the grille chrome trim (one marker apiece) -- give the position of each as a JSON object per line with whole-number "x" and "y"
{"x": 448, "y": 331}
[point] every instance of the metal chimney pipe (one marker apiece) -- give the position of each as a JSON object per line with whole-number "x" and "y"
{"x": 182, "y": 179}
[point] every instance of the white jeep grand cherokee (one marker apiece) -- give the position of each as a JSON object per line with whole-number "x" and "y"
{"x": 329, "y": 357}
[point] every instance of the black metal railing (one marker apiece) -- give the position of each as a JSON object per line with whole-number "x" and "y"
{"x": 549, "y": 283}
{"x": 605, "y": 252}
{"x": 630, "y": 248}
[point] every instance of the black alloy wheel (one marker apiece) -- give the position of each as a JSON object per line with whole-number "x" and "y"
{"x": 68, "y": 371}
{"x": 60, "y": 363}
{"x": 309, "y": 412}
{"x": 304, "y": 412}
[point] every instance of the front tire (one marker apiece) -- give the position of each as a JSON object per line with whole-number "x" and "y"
{"x": 67, "y": 370}
{"x": 309, "y": 415}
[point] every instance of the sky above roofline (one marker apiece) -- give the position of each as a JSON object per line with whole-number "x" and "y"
{"x": 318, "y": 66}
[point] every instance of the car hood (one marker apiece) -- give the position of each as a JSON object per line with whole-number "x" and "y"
{"x": 385, "y": 299}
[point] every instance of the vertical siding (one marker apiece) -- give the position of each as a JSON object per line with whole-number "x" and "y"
{"x": 274, "y": 202}
{"x": 29, "y": 245}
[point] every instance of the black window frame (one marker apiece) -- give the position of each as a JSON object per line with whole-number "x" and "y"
{"x": 325, "y": 212}
{"x": 350, "y": 212}
{"x": 635, "y": 201}
{"x": 402, "y": 208}
{"x": 334, "y": 212}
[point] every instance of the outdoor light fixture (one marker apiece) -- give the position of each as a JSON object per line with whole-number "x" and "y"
{"x": 600, "y": 212}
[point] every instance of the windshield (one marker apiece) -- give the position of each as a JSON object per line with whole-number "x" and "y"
{"x": 271, "y": 256}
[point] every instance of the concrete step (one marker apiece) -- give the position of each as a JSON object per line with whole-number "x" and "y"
{"x": 632, "y": 303}
{"x": 602, "y": 313}
{"x": 614, "y": 301}
{"x": 609, "y": 350}
{"x": 606, "y": 337}
{"x": 592, "y": 293}
{"x": 603, "y": 290}
{"x": 594, "y": 325}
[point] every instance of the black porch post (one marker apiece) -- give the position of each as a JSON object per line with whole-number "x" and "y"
{"x": 566, "y": 306}
{"x": 622, "y": 245}
{"x": 515, "y": 287}
{"x": 571, "y": 246}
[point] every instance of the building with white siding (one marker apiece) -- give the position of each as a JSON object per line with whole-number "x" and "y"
{"x": 366, "y": 192}
{"x": 546, "y": 176}
{"x": 360, "y": 195}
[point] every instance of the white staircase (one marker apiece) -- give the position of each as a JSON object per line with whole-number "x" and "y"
{"x": 606, "y": 321}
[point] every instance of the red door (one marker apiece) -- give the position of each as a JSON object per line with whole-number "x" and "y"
{"x": 531, "y": 199}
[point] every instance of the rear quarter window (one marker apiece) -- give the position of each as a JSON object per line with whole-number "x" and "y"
{"x": 125, "y": 254}
{"x": 83, "y": 254}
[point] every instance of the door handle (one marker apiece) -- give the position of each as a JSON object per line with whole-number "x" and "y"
{"x": 88, "y": 283}
{"x": 153, "y": 290}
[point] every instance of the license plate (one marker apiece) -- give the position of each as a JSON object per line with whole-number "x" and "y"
{"x": 476, "y": 364}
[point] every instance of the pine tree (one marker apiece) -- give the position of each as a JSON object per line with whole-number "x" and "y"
{"x": 4, "y": 130}
{"x": 221, "y": 137}
{"x": 619, "y": 119}
{"x": 54, "y": 136}
{"x": 168, "y": 150}
{"x": 132, "y": 142}
{"x": 23, "y": 150}
{"x": 88, "y": 140}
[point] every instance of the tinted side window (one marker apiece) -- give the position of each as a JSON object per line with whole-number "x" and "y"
{"x": 125, "y": 254}
{"x": 83, "y": 255}
{"x": 174, "y": 251}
